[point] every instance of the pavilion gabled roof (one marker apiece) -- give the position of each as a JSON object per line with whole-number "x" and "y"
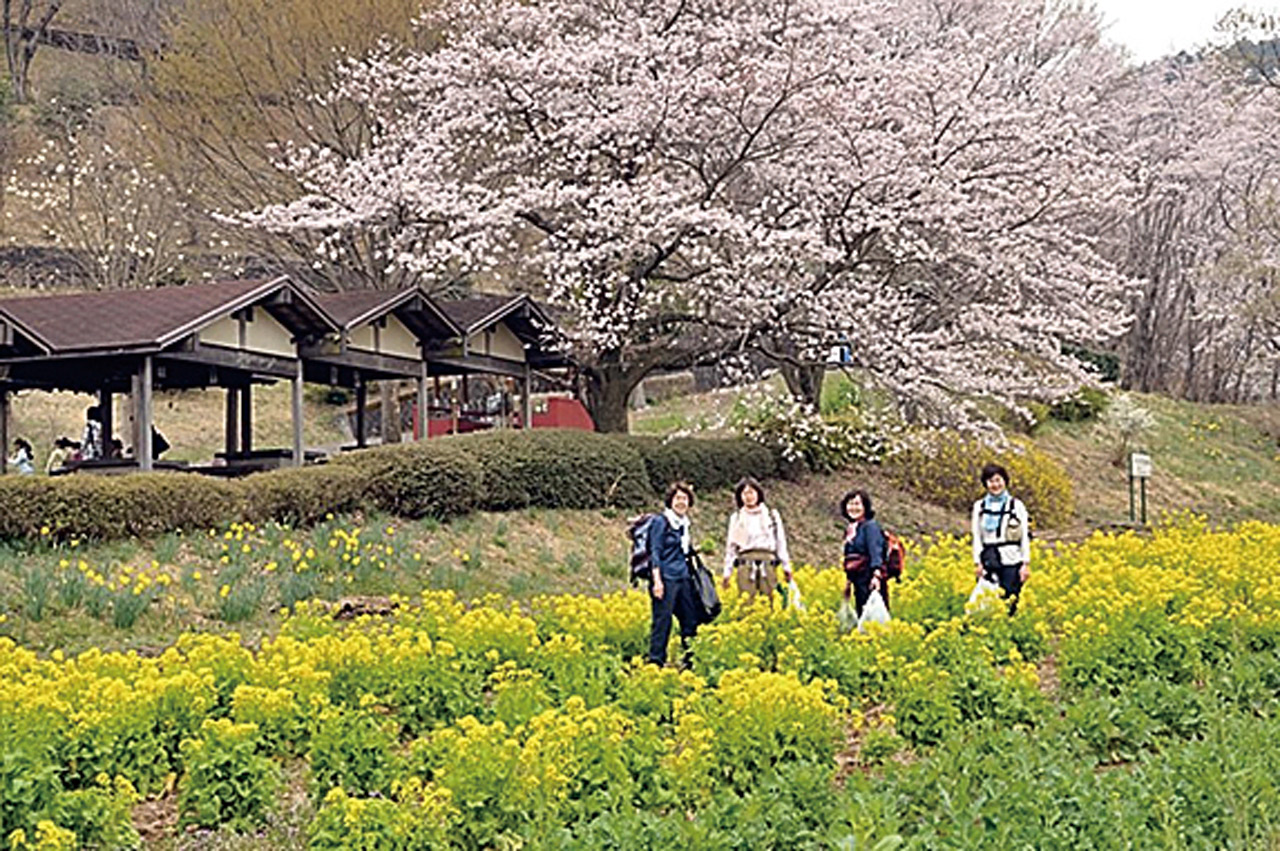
{"x": 153, "y": 319}
{"x": 476, "y": 313}
{"x": 358, "y": 307}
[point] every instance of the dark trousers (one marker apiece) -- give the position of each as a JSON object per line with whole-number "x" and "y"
{"x": 861, "y": 581}
{"x": 677, "y": 599}
{"x": 1007, "y": 576}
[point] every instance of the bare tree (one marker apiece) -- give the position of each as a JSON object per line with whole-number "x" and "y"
{"x": 25, "y": 28}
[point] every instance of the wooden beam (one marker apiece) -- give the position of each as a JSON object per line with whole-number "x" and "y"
{"x": 473, "y": 364}
{"x": 142, "y": 449}
{"x": 253, "y": 362}
{"x": 246, "y": 418}
{"x": 233, "y": 420}
{"x": 298, "y": 455}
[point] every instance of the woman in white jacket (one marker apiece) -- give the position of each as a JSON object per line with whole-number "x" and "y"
{"x": 756, "y": 544}
{"x": 1001, "y": 538}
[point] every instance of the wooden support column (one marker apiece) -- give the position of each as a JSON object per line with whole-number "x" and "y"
{"x": 4, "y": 431}
{"x": 246, "y": 418}
{"x": 526, "y": 398}
{"x": 424, "y": 410}
{"x": 389, "y": 395}
{"x": 233, "y": 420}
{"x": 142, "y": 449}
{"x": 298, "y": 455}
{"x": 362, "y": 398}
{"x": 106, "y": 412}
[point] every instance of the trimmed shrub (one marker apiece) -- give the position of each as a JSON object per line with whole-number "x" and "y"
{"x": 944, "y": 468}
{"x": 113, "y": 507}
{"x": 432, "y": 479}
{"x": 705, "y": 464}
{"x": 496, "y": 471}
{"x": 301, "y": 496}
{"x": 557, "y": 468}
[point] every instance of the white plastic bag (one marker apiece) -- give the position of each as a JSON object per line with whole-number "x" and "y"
{"x": 875, "y": 611}
{"x": 846, "y": 618}
{"x": 985, "y": 593}
{"x": 793, "y": 596}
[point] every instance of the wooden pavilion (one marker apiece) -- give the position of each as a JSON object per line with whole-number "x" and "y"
{"x": 238, "y": 334}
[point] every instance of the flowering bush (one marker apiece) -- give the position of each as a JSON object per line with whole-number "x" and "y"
{"x": 800, "y": 434}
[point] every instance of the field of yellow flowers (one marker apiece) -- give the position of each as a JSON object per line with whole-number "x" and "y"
{"x": 1131, "y": 703}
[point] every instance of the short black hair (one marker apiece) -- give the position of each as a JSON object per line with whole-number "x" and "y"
{"x": 991, "y": 470}
{"x": 675, "y": 488}
{"x": 744, "y": 483}
{"x": 868, "y": 513}
{"x": 94, "y": 412}
{"x": 24, "y": 443}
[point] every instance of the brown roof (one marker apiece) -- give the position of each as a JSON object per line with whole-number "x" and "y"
{"x": 347, "y": 307}
{"x": 477, "y": 311}
{"x": 128, "y": 319}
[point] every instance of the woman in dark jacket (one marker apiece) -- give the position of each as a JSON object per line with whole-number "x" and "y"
{"x": 671, "y": 589}
{"x": 863, "y": 549}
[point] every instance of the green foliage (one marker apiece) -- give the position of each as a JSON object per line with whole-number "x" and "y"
{"x": 105, "y": 507}
{"x": 302, "y": 496}
{"x": 430, "y": 479}
{"x": 944, "y": 468}
{"x": 352, "y": 751}
{"x": 227, "y": 782}
{"x": 100, "y": 816}
{"x": 557, "y": 468}
{"x": 706, "y": 464}
{"x": 1086, "y": 404}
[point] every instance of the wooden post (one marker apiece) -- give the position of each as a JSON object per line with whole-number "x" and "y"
{"x": 389, "y": 395}
{"x": 4, "y": 431}
{"x": 526, "y": 398}
{"x": 246, "y": 418}
{"x": 106, "y": 412}
{"x": 424, "y": 413}
{"x": 143, "y": 446}
{"x": 135, "y": 430}
{"x": 233, "y": 420}
{"x": 298, "y": 455}
{"x": 362, "y": 398}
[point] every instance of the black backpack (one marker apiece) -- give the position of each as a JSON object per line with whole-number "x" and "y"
{"x": 638, "y": 537}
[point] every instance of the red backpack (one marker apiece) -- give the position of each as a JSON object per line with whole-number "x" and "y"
{"x": 895, "y": 555}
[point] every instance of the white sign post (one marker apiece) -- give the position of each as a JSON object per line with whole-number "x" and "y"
{"x": 1140, "y": 469}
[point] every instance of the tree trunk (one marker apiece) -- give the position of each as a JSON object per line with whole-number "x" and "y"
{"x": 805, "y": 382}
{"x": 605, "y": 391}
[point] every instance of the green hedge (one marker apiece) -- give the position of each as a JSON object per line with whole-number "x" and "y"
{"x": 495, "y": 471}
{"x": 706, "y": 464}
{"x": 558, "y": 468}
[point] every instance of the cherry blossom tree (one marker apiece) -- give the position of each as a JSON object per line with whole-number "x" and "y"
{"x": 688, "y": 179}
{"x": 1203, "y": 233}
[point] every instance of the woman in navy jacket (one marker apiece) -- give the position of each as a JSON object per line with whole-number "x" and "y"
{"x": 863, "y": 549}
{"x": 671, "y": 589}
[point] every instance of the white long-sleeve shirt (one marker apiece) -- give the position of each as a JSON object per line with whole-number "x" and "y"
{"x": 758, "y": 528}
